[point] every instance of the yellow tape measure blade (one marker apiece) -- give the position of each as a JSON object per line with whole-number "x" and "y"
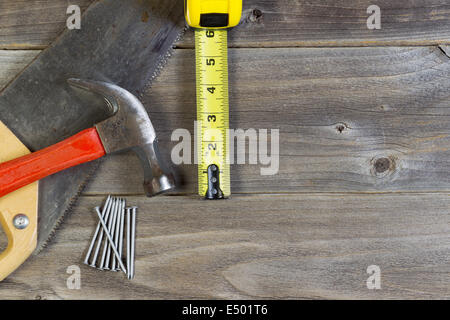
{"x": 211, "y": 56}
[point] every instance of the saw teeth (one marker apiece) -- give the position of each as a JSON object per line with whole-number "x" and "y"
{"x": 161, "y": 64}
{"x": 69, "y": 208}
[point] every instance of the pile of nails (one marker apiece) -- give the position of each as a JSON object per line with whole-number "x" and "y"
{"x": 106, "y": 249}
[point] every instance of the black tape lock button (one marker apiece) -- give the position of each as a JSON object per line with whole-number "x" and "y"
{"x": 214, "y": 20}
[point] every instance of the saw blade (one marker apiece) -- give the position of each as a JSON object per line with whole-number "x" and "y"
{"x": 123, "y": 42}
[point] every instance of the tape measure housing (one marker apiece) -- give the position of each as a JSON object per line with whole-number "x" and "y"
{"x": 213, "y": 13}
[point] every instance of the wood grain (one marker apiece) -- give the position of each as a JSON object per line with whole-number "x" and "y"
{"x": 267, "y": 23}
{"x": 12, "y": 62}
{"x": 260, "y": 246}
{"x": 26, "y": 24}
{"x": 350, "y": 119}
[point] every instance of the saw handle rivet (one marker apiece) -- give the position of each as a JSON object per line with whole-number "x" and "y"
{"x": 21, "y": 221}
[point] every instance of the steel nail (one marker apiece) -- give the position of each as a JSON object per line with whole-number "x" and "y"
{"x": 128, "y": 210}
{"x": 105, "y": 241}
{"x": 109, "y": 237}
{"x": 94, "y": 238}
{"x": 133, "y": 241}
{"x": 116, "y": 233}
{"x": 112, "y": 231}
{"x": 100, "y": 237}
{"x": 122, "y": 218}
{"x": 105, "y": 246}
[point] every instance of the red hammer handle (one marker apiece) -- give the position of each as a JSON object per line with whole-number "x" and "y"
{"x": 80, "y": 148}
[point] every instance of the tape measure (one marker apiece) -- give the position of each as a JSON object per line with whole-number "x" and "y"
{"x": 211, "y": 18}
{"x": 212, "y": 113}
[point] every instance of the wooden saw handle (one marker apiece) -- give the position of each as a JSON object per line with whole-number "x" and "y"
{"x": 80, "y": 148}
{"x": 21, "y": 243}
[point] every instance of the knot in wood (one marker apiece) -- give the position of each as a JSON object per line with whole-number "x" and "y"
{"x": 255, "y": 15}
{"x": 382, "y": 165}
{"x": 340, "y": 128}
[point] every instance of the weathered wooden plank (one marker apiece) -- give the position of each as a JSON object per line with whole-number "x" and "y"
{"x": 333, "y": 23}
{"x": 350, "y": 119}
{"x": 272, "y": 246}
{"x": 33, "y": 24}
{"x": 26, "y": 23}
{"x": 13, "y": 62}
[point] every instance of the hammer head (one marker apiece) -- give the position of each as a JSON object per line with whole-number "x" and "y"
{"x": 130, "y": 128}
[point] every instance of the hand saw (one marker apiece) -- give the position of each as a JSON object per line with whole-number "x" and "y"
{"x": 114, "y": 44}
